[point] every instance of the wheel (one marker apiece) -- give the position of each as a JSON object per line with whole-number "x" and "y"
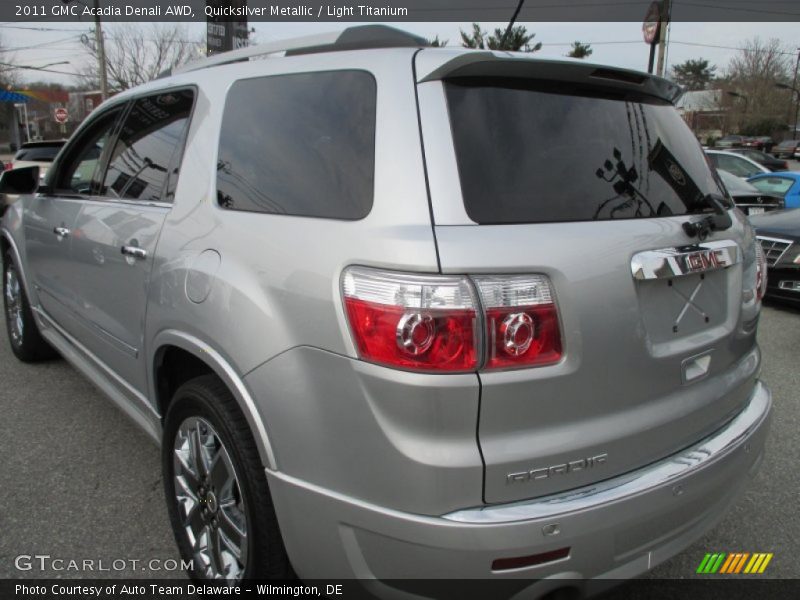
{"x": 217, "y": 496}
{"x": 27, "y": 343}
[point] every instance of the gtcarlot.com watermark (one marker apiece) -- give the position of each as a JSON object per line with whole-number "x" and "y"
{"x": 45, "y": 562}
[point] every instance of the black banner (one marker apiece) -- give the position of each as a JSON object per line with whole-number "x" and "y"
{"x": 710, "y": 588}
{"x": 398, "y": 11}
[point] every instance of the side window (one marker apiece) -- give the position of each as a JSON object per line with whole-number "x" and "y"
{"x": 77, "y": 172}
{"x": 301, "y": 144}
{"x": 149, "y": 140}
{"x": 738, "y": 167}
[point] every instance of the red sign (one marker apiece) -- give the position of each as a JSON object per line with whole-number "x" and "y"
{"x": 651, "y": 20}
{"x": 61, "y": 115}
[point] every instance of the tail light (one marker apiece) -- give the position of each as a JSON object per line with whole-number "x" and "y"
{"x": 8, "y": 166}
{"x": 419, "y": 322}
{"x": 521, "y": 321}
{"x": 761, "y": 272}
{"x": 435, "y": 323}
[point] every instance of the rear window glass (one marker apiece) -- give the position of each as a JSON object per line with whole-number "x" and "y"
{"x": 773, "y": 185}
{"x": 535, "y": 152}
{"x": 38, "y": 153}
{"x": 300, "y": 144}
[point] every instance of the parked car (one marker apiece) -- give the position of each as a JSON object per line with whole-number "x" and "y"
{"x": 738, "y": 165}
{"x": 762, "y": 158}
{"x": 784, "y": 184}
{"x": 39, "y": 154}
{"x": 762, "y": 142}
{"x": 786, "y": 149}
{"x": 404, "y": 327}
{"x": 749, "y": 199}
{"x": 779, "y": 235}
{"x": 730, "y": 141}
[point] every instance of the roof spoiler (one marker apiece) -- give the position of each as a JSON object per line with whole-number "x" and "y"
{"x": 504, "y": 64}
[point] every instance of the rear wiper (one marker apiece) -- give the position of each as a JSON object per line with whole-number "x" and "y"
{"x": 719, "y": 221}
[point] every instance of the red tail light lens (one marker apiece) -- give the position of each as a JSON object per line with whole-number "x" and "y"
{"x": 522, "y": 326}
{"x": 418, "y": 322}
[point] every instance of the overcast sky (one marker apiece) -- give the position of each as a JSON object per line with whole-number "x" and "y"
{"x": 617, "y": 44}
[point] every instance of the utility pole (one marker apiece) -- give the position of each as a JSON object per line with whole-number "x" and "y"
{"x": 794, "y": 88}
{"x": 101, "y": 51}
{"x": 662, "y": 36}
{"x": 101, "y": 47}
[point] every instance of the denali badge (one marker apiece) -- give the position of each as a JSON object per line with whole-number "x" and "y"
{"x": 562, "y": 469}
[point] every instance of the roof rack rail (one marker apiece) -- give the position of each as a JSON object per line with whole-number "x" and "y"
{"x": 353, "y": 38}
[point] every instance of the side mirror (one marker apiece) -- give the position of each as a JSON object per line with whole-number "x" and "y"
{"x": 24, "y": 180}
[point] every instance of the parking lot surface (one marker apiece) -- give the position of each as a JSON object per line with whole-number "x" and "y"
{"x": 82, "y": 482}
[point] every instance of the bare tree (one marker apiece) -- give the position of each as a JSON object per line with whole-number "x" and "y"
{"x": 751, "y": 75}
{"x": 136, "y": 54}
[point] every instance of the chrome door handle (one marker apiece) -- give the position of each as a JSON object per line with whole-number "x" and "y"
{"x": 61, "y": 232}
{"x": 134, "y": 251}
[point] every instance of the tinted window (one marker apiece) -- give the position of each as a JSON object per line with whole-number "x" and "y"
{"x": 38, "y": 153}
{"x": 734, "y": 164}
{"x": 773, "y": 185}
{"x": 539, "y": 152}
{"x": 77, "y": 173}
{"x": 151, "y": 136}
{"x": 299, "y": 144}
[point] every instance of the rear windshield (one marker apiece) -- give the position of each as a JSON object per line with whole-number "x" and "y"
{"x": 38, "y": 153}
{"x": 773, "y": 185}
{"x": 534, "y": 152}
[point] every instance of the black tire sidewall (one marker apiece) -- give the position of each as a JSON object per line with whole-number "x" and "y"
{"x": 192, "y": 400}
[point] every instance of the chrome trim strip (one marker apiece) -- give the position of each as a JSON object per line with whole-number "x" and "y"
{"x": 686, "y": 463}
{"x": 667, "y": 263}
{"x": 106, "y": 336}
{"x": 130, "y": 391}
{"x": 227, "y": 373}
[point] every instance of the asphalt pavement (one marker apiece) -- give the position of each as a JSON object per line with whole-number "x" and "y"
{"x": 79, "y": 481}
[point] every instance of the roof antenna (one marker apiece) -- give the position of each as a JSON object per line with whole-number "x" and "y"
{"x": 511, "y": 25}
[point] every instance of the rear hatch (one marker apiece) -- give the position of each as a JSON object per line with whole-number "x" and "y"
{"x": 587, "y": 175}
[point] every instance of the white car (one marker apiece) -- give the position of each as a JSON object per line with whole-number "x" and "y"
{"x": 736, "y": 164}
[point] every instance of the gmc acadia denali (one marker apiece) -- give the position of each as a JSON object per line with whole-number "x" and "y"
{"x": 403, "y": 312}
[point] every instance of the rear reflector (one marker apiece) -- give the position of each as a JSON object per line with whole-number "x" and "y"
{"x": 521, "y": 321}
{"x": 419, "y": 322}
{"x": 519, "y": 562}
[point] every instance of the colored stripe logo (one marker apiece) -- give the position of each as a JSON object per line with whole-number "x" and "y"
{"x": 734, "y": 563}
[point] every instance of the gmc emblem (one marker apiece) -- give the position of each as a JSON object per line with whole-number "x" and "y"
{"x": 562, "y": 469}
{"x": 705, "y": 260}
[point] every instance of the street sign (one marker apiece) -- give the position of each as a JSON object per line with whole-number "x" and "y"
{"x": 61, "y": 115}
{"x": 651, "y": 20}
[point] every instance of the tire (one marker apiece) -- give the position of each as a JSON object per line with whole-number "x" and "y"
{"x": 211, "y": 502}
{"x": 27, "y": 343}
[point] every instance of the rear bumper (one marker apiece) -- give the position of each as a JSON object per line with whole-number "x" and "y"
{"x": 616, "y": 529}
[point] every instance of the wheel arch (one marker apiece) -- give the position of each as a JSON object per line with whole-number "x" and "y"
{"x": 192, "y": 356}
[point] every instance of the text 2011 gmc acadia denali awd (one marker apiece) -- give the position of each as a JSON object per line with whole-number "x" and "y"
{"x": 403, "y": 312}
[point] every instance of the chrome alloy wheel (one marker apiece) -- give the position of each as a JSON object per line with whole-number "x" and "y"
{"x": 210, "y": 501}
{"x": 14, "y": 305}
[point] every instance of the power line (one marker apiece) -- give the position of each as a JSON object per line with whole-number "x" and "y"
{"x": 41, "y": 45}
{"x": 10, "y": 26}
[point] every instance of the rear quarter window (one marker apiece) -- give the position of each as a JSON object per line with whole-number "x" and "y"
{"x": 300, "y": 144}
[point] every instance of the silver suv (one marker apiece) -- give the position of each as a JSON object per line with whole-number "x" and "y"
{"x": 403, "y": 312}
